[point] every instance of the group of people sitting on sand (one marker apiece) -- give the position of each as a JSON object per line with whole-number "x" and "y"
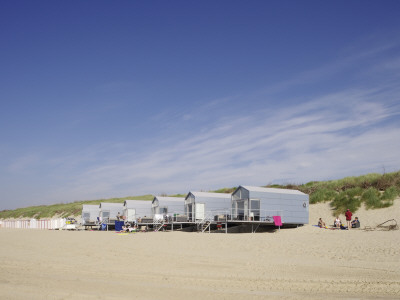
{"x": 338, "y": 223}
{"x": 129, "y": 228}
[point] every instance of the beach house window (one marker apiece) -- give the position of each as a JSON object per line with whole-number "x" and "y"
{"x": 105, "y": 215}
{"x": 86, "y": 217}
{"x": 240, "y": 210}
{"x": 189, "y": 211}
{"x": 255, "y": 209}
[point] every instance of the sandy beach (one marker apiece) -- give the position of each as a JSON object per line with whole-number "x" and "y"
{"x": 300, "y": 263}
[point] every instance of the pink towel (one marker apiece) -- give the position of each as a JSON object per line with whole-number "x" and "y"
{"x": 277, "y": 220}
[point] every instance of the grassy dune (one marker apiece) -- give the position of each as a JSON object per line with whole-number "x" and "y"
{"x": 374, "y": 190}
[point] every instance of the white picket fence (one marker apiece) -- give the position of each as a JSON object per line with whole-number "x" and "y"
{"x": 33, "y": 223}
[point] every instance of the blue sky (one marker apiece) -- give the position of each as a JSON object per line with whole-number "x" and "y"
{"x": 106, "y": 99}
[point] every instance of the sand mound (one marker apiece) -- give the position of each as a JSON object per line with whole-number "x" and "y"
{"x": 371, "y": 217}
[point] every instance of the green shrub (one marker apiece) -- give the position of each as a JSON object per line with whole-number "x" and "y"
{"x": 388, "y": 196}
{"x": 388, "y": 180}
{"x": 354, "y": 192}
{"x": 322, "y": 195}
{"x": 371, "y": 198}
{"x": 374, "y": 199}
{"x": 349, "y": 199}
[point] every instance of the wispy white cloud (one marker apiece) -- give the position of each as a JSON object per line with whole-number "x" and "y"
{"x": 363, "y": 58}
{"x": 331, "y": 136}
{"x": 345, "y": 131}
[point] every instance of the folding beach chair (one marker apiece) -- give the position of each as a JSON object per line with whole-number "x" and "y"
{"x": 278, "y": 221}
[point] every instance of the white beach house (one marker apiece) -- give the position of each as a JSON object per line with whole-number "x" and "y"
{"x": 90, "y": 214}
{"x": 134, "y": 209}
{"x": 251, "y": 203}
{"x": 201, "y": 204}
{"x": 167, "y": 206}
{"x": 108, "y": 212}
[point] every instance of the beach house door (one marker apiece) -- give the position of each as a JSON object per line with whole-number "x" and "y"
{"x": 199, "y": 212}
{"x": 86, "y": 217}
{"x": 254, "y": 209}
{"x": 246, "y": 210}
{"x": 131, "y": 217}
{"x": 240, "y": 209}
{"x": 105, "y": 216}
{"x": 189, "y": 211}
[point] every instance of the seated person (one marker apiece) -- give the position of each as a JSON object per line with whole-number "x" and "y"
{"x": 355, "y": 223}
{"x": 321, "y": 223}
{"x": 130, "y": 229}
{"x": 338, "y": 223}
{"x": 127, "y": 228}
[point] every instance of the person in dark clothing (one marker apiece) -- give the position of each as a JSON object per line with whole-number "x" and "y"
{"x": 355, "y": 223}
